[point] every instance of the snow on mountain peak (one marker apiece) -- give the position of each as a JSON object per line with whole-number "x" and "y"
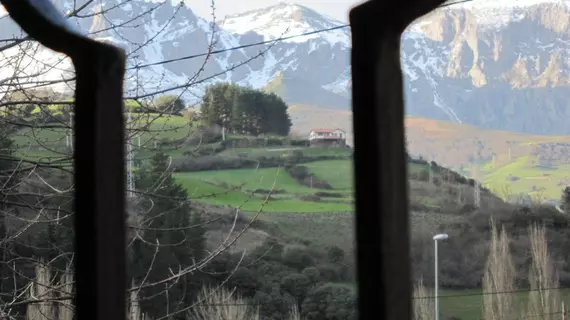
{"x": 286, "y": 19}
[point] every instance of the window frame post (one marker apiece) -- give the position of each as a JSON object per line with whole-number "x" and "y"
{"x": 99, "y": 175}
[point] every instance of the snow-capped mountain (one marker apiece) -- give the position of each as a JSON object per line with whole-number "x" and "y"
{"x": 497, "y": 64}
{"x": 287, "y": 19}
{"x": 156, "y": 32}
{"x": 492, "y": 66}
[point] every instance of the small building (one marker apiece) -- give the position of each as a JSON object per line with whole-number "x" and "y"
{"x": 327, "y": 138}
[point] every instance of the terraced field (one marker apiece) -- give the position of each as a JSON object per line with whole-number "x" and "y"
{"x": 270, "y": 189}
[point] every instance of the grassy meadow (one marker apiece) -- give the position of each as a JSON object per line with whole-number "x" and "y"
{"x": 236, "y": 188}
{"x": 468, "y": 304}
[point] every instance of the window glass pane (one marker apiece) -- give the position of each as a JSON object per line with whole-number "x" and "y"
{"x": 486, "y": 164}
{"x": 239, "y": 185}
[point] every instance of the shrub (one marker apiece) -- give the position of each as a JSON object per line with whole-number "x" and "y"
{"x": 222, "y": 302}
{"x": 329, "y": 272}
{"x": 423, "y": 175}
{"x": 324, "y": 194}
{"x": 298, "y": 257}
{"x": 300, "y": 142}
{"x": 299, "y": 172}
{"x": 311, "y": 197}
{"x": 317, "y": 183}
{"x": 268, "y": 191}
{"x": 213, "y": 161}
{"x": 297, "y": 154}
{"x": 312, "y": 274}
{"x": 330, "y": 301}
{"x": 304, "y": 177}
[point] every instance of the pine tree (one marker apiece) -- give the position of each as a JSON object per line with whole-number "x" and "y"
{"x": 169, "y": 227}
{"x": 8, "y": 250}
{"x": 7, "y": 178}
{"x": 565, "y": 200}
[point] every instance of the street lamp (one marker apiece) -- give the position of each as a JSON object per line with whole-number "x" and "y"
{"x": 437, "y": 237}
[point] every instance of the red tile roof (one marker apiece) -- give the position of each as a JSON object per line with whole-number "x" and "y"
{"x": 326, "y": 130}
{"x": 328, "y": 138}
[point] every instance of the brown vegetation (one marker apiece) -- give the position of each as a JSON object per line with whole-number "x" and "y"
{"x": 423, "y": 309}
{"x": 222, "y": 304}
{"x": 454, "y": 144}
{"x": 543, "y": 299}
{"x": 499, "y": 277}
{"x": 500, "y": 293}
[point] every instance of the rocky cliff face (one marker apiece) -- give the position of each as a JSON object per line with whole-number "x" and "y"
{"x": 497, "y": 67}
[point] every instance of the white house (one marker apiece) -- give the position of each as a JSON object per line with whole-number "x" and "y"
{"x": 327, "y": 138}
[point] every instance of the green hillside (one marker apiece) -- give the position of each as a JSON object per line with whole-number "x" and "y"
{"x": 240, "y": 171}
{"x": 510, "y": 163}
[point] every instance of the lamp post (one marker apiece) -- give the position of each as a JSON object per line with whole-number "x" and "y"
{"x": 435, "y": 239}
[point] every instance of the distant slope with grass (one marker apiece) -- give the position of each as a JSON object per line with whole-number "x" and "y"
{"x": 286, "y": 206}
{"x": 514, "y": 165}
{"x": 328, "y": 187}
{"x": 510, "y": 163}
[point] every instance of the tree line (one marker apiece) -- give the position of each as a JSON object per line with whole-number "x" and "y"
{"x": 501, "y": 294}
{"x": 243, "y": 110}
{"x": 61, "y": 105}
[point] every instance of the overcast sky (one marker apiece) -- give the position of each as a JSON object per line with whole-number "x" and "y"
{"x": 337, "y": 9}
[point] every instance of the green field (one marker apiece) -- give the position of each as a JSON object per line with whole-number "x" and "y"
{"x": 234, "y": 188}
{"x": 153, "y": 127}
{"x": 523, "y": 176}
{"x": 339, "y": 173}
{"x": 468, "y": 304}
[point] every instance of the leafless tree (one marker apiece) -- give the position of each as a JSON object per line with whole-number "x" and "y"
{"x": 499, "y": 278}
{"x": 423, "y": 308}
{"x": 544, "y": 299}
{"x": 222, "y": 304}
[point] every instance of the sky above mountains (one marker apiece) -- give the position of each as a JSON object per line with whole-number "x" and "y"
{"x": 337, "y": 9}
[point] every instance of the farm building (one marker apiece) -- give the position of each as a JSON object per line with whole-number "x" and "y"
{"x": 327, "y": 138}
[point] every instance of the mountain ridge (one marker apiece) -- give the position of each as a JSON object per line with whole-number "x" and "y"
{"x": 498, "y": 67}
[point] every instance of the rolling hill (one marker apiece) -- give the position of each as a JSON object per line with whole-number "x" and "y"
{"x": 510, "y": 163}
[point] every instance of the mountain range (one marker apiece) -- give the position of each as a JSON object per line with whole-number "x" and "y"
{"x": 497, "y": 65}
